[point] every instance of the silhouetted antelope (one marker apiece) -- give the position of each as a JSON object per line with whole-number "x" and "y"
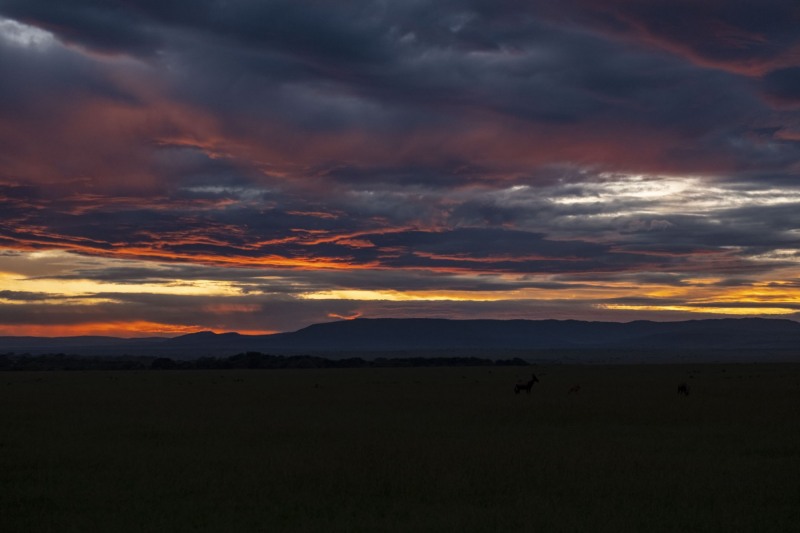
{"x": 683, "y": 388}
{"x": 526, "y": 386}
{"x": 574, "y": 390}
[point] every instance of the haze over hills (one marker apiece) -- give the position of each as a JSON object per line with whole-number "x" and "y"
{"x": 751, "y": 338}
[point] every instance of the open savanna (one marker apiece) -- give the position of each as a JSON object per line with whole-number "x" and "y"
{"x": 403, "y": 449}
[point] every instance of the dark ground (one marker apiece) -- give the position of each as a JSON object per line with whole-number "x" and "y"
{"x": 402, "y": 449}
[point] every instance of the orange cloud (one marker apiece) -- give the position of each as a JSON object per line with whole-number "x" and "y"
{"x": 351, "y": 316}
{"x": 133, "y": 328}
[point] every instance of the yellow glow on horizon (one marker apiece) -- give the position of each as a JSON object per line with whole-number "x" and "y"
{"x": 712, "y": 310}
{"x": 48, "y": 279}
{"x": 66, "y": 288}
{"x": 771, "y": 292}
{"x": 407, "y": 296}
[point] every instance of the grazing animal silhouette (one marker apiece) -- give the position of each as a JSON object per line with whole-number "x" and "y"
{"x": 527, "y": 386}
{"x": 574, "y": 390}
{"x": 683, "y": 388}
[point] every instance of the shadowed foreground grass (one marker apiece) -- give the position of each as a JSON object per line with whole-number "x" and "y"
{"x": 447, "y": 449}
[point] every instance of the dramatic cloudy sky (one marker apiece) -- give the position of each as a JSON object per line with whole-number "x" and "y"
{"x": 169, "y": 166}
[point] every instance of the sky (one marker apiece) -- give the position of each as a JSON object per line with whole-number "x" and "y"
{"x": 258, "y": 166}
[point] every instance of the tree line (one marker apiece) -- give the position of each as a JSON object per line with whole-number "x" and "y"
{"x": 248, "y": 360}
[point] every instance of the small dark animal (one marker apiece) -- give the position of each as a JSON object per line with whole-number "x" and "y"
{"x": 527, "y": 386}
{"x": 683, "y": 388}
{"x": 574, "y": 390}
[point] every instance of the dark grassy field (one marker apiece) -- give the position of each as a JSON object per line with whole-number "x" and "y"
{"x": 436, "y": 449}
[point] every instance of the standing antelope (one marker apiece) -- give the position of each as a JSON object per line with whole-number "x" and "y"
{"x": 526, "y": 386}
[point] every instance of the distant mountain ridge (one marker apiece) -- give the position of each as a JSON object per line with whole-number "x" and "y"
{"x": 373, "y": 337}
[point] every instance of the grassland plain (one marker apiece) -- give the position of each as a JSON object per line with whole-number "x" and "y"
{"x": 410, "y": 449}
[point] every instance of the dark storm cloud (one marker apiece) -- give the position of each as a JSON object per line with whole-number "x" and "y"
{"x": 33, "y": 77}
{"x": 290, "y": 147}
{"x": 741, "y": 36}
{"x": 784, "y": 85}
{"x": 751, "y": 231}
{"x": 419, "y": 70}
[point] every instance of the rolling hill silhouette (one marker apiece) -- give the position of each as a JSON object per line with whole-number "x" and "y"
{"x": 367, "y": 337}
